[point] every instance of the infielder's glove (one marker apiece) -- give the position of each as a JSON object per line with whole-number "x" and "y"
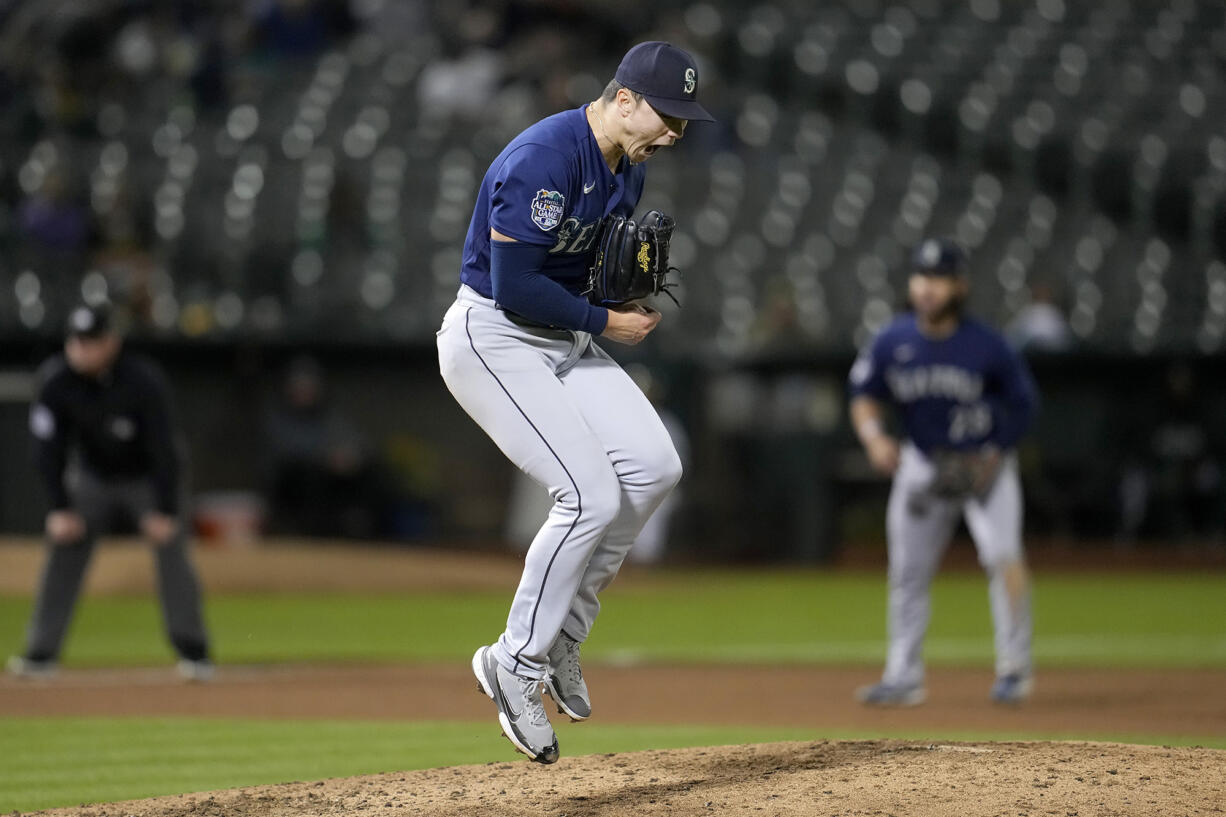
{"x": 631, "y": 260}
{"x": 964, "y": 474}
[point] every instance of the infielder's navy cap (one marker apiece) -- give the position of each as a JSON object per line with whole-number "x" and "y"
{"x": 938, "y": 256}
{"x": 666, "y": 76}
{"x": 88, "y": 321}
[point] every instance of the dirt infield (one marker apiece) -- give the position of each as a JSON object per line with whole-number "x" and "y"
{"x": 819, "y": 778}
{"x": 1066, "y": 702}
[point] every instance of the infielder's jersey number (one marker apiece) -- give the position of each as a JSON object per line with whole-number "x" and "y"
{"x": 969, "y": 422}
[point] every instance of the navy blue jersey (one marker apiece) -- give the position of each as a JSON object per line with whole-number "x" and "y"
{"x": 549, "y": 187}
{"x": 958, "y": 392}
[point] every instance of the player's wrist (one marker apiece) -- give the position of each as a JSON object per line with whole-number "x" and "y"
{"x": 597, "y": 320}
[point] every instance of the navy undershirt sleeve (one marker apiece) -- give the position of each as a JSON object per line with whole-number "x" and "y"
{"x": 519, "y": 285}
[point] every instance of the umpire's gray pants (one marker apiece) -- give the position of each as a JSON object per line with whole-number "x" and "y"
{"x": 100, "y": 503}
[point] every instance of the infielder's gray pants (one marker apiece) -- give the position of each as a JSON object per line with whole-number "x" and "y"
{"x": 99, "y": 503}
{"x": 918, "y": 529}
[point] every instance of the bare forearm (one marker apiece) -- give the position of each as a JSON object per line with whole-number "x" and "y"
{"x": 868, "y": 419}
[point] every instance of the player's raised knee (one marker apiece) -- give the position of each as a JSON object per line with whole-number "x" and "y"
{"x": 667, "y": 469}
{"x": 596, "y": 496}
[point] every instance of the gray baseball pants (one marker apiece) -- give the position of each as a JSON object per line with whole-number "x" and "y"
{"x": 570, "y": 417}
{"x": 918, "y": 529}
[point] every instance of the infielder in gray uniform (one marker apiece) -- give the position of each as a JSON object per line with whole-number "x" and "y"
{"x": 963, "y": 399}
{"x": 517, "y": 350}
{"x": 108, "y": 456}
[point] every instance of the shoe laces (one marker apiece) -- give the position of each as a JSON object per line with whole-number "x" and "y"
{"x": 530, "y": 692}
{"x": 570, "y": 662}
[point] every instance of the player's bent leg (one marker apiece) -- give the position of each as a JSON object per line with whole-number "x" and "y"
{"x": 565, "y": 682}
{"x": 917, "y": 534}
{"x": 652, "y": 541}
{"x": 639, "y": 499}
{"x": 1009, "y": 594}
{"x": 902, "y": 681}
{"x": 644, "y": 457}
{"x": 179, "y": 593}
{"x": 64, "y": 570}
{"x": 56, "y": 599}
{"x": 507, "y": 379}
{"x": 554, "y": 566}
{"x": 996, "y": 527}
{"x": 178, "y": 586}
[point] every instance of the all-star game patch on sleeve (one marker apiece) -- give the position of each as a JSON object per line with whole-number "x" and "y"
{"x": 547, "y": 208}
{"x": 532, "y": 195}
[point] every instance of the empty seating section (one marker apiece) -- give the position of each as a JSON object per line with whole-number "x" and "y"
{"x": 1078, "y": 151}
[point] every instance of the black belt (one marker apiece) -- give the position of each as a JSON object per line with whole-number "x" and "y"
{"x": 520, "y": 320}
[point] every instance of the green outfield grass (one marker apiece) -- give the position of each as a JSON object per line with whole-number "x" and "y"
{"x": 69, "y": 761}
{"x": 803, "y": 616}
{"x": 1173, "y": 620}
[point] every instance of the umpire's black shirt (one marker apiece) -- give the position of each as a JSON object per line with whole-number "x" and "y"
{"x": 118, "y": 424}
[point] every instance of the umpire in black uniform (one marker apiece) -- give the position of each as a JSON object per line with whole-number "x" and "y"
{"x": 108, "y": 456}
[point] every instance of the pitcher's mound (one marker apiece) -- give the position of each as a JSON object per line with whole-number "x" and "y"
{"x": 804, "y": 779}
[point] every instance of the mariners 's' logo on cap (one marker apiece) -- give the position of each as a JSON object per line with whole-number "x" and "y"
{"x": 690, "y": 80}
{"x": 547, "y": 209}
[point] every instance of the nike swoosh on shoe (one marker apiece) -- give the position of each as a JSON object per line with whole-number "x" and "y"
{"x": 506, "y": 705}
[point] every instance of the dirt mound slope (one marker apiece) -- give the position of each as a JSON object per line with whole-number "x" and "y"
{"x": 810, "y": 779}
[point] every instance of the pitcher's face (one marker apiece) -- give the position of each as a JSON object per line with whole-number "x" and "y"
{"x": 648, "y": 130}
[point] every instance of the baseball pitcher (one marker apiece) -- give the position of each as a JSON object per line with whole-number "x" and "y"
{"x": 554, "y": 259}
{"x": 963, "y": 399}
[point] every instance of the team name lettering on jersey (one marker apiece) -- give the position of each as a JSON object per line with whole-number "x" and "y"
{"x": 941, "y": 381}
{"x": 574, "y": 236}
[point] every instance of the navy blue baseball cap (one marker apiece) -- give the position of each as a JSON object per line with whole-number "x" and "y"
{"x": 666, "y": 76}
{"x": 938, "y": 256}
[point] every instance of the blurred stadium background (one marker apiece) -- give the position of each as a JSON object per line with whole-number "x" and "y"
{"x": 252, "y": 182}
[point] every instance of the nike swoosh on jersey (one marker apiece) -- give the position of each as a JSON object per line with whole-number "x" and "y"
{"x": 588, "y": 188}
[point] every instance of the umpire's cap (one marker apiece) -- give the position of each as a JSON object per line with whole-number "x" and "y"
{"x": 87, "y": 321}
{"x": 666, "y": 76}
{"x": 938, "y": 256}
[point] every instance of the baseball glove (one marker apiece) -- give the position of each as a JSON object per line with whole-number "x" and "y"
{"x": 631, "y": 260}
{"x": 964, "y": 474}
